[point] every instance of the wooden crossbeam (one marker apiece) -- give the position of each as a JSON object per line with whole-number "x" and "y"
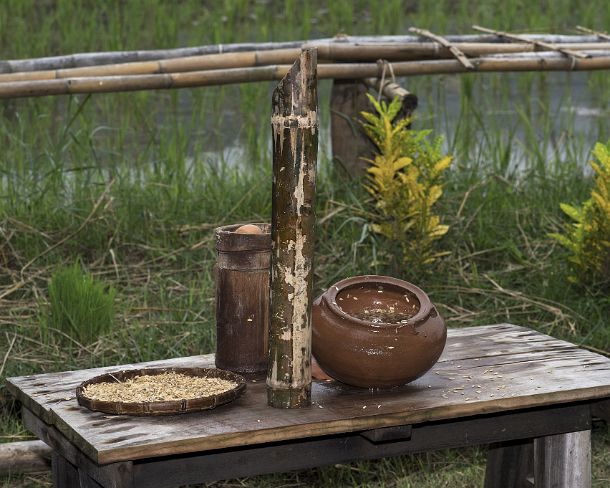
{"x": 601, "y": 35}
{"x": 460, "y": 56}
{"x": 545, "y": 45}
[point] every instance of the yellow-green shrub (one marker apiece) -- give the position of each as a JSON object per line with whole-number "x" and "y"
{"x": 588, "y": 236}
{"x": 405, "y": 179}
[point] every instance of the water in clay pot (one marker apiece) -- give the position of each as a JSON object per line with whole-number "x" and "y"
{"x": 379, "y": 304}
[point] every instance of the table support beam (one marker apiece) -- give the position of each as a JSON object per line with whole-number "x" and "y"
{"x": 510, "y": 465}
{"x": 563, "y": 460}
{"x": 65, "y": 474}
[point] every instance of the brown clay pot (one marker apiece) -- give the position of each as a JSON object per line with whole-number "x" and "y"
{"x": 376, "y": 331}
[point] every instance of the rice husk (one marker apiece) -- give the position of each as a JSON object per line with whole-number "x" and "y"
{"x": 158, "y": 388}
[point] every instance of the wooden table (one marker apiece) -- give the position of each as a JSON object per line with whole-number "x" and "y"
{"x": 501, "y": 385}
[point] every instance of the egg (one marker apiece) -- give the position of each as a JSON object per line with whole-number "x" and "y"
{"x": 248, "y": 229}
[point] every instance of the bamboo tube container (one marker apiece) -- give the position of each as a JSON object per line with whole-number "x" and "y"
{"x": 294, "y": 123}
{"x": 242, "y": 298}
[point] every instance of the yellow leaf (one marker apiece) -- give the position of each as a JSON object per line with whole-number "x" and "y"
{"x": 440, "y": 230}
{"x": 401, "y": 163}
{"x": 435, "y": 193}
{"x": 442, "y": 165}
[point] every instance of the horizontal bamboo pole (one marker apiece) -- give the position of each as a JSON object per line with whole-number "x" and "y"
{"x": 546, "y": 61}
{"x": 175, "y": 65}
{"x": 338, "y": 52}
{"x": 328, "y": 53}
{"x": 540, "y": 44}
{"x": 114, "y": 57}
{"x": 24, "y": 457}
{"x": 391, "y": 90}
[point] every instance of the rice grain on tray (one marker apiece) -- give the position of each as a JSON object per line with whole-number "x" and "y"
{"x": 158, "y": 388}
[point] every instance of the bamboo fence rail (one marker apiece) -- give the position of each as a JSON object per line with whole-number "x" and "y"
{"x": 541, "y": 61}
{"x": 113, "y": 57}
{"x": 540, "y": 44}
{"x": 327, "y": 53}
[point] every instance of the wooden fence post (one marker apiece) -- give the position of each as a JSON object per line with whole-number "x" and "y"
{"x": 350, "y": 145}
{"x": 294, "y": 123}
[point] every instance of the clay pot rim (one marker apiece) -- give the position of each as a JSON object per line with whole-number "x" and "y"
{"x": 425, "y": 305}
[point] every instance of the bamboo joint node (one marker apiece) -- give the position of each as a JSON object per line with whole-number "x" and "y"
{"x": 295, "y": 121}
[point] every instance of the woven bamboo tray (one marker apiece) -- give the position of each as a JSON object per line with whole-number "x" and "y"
{"x": 161, "y": 407}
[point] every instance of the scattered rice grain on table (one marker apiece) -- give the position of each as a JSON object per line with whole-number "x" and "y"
{"x": 156, "y": 388}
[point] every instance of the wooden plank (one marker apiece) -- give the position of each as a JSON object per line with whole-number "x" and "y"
{"x": 510, "y": 465}
{"x": 86, "y": 481}
{"x": 309, "y": 453}
{"x": 116, "y": 475}
{"x": 483, "y": 369}
{"x": 65, "y": 475}
{"x": 388, "y": 434}
{"x": 601, "y": 409}
{"x": 563, "y": 461}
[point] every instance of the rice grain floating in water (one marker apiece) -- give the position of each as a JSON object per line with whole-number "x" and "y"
{"x": 158, "y": 388}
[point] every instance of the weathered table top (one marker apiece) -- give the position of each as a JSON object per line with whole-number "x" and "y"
{"x": 482, "y": 370}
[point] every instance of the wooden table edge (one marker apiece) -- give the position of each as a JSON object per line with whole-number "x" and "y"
{"x": 326, "y": 428}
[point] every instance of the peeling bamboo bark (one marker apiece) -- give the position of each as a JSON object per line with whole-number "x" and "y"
{"x": 294, "y": 123}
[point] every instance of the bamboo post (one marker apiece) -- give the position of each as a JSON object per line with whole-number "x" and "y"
{"x": 294, "y": 124}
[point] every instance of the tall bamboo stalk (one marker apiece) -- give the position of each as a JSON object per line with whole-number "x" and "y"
{"x": 114, "y": 57}
{"x": 294, "y": 122}
{"x": 545, "y": 61}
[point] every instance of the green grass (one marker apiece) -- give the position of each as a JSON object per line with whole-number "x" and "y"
{"x": 134, "y": 184}
{"x": 80, "y": 308}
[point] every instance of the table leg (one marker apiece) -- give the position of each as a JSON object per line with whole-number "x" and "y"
{"x": 563, "y": 460}
{"x": 65, "y": 475}
{"x": 86, "y": 481}
{"x": 510, "y": 465}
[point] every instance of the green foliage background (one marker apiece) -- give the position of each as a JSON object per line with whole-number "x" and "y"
{"x": 134, "y": 184}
